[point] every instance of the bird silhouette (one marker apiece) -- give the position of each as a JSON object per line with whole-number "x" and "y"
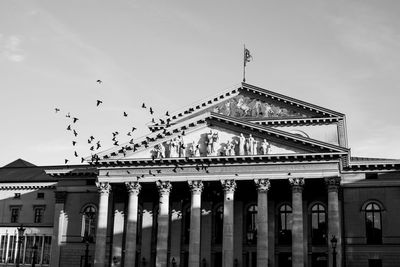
{"x": 162, "y": 121}
{"x": 66, "y": 161}
{"x": 73, "y": 143}
{"x": 128, "y": 134}
{"x": 75, "y": 133}
{"x": 68, "y": 115}
{"x": 75, "y": 120}
{"x": 131, "y": 141}
{"x": 133, "y": 129}
{"x": 91, "y": 138}
{"x": 57, "y": 110}
{"x": 128, "y": 172}
{"x": 75, "y": 154}
{"x": 158, "y": 171}
{"x": 92, "y": 148}
{"x": 125, "y": 114}
{"x": 99, "y": 102}
{"x": 69, "y": 128}
{"x": 116, "y": 143}
{"x": 143, "y": 105}
{"x": 166, "y": 113}
{"x": 153, "y": 121}
{"x": 107, "y": 174}
{"x": 183, "y": 133}
{"x": 89, "y": 141}
{"x": 99, "y": 81}
{"x": 151, "y": 111}
{"x": 82, "y": 160}
{"x": 98, "y": 145}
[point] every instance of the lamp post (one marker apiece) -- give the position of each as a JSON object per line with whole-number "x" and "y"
{"x": 21, "y": 231}
{"x": 87, "y": 239}
{"x": 333, "y": 243}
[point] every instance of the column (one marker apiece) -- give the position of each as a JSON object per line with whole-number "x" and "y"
{"x": 229, "y": 187}
{"x": 195, "y": 219}
{"x": 58, "y": 228}
{"x": 133, "y": 189}
{"x": 297, "y": 224}
{"x": 334, "y": 221}
{"x": 164, "y": 188}
{"x": 263, "y": 186}
{"x": 102, "y": 218}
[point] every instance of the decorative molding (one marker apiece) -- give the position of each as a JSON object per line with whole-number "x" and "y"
{"x": 333, "y": 183}
{"x": 26, "y": 187}
{"x": 297, "y": 184}
{"x": 196, "y": 186}
{"x": 229, "y": 186}
{"x": 263, "y": 185}
{"x": 133, "y": 187}
{"x": 61, "y": 197}
{"x": 103, "y": 187}
{"x": 164, "y": 187}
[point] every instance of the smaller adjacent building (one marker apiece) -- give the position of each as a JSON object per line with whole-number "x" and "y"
{"x": 27, "y": 200}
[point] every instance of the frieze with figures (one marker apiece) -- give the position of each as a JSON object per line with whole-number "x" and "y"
{"x": 216, "y": 143}
{"x": 245, "y": 107}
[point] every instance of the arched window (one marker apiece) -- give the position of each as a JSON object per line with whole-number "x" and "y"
{"x": 251, "y": 226}
{"x": 89, "y": 214}
{"x": 218, "y": 224}
{"x": 285, "y": 224}
{"x": 373, "y": 223}
{"x": 318, "y": 225}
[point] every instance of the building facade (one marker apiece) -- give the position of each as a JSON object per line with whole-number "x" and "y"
{"x": 247, "y": 178}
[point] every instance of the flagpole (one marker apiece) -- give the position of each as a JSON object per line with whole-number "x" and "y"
{"x": 244, "y": 63}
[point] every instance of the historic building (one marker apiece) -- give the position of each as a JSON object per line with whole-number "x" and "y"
{"x": 247, "y": 178}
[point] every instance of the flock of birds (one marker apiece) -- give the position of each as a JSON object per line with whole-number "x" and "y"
{"x": 94, "y": 143}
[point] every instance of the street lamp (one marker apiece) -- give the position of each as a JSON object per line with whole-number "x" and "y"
{"x": 89, "y": 214}
{"x": 21, "y": 231}
{"x": 333, "y": 244}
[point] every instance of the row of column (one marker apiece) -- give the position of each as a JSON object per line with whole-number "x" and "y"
{"x": 229, "y": 186}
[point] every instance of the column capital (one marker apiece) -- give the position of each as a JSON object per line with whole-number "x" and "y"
{"x": 229, "y": 186}
{"x": 103, "y": 187}
{"x": 196, "y": 186}
{"x": 133, "y": 187}
{"x": 333, "y": 183}
{"x": 164, "y": 187}
{"x": 263, "y": 185}
{"x": 297, "y": 184}
{"x": 61, "y": 196}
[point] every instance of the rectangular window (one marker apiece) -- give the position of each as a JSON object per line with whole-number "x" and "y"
{"x": 12, "y": 248}
{"x": 39, "y": 211}
{"x": 46, "y": 250}
{"x": 14, "y": 215}
{"x": 40, "y": 195}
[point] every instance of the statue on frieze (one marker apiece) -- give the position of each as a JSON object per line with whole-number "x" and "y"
{"x": 242, "y": 142}
{"x": 159, "y": 151}
{"x": 265, "y": 146}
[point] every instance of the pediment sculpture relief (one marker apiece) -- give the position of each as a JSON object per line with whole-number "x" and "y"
{"x": 243, "y": 106}
{"x": 210, "y": 144}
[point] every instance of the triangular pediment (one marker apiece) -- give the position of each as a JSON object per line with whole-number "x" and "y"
{"x": 250, "y": 103}
{"x": 216, "y": 135}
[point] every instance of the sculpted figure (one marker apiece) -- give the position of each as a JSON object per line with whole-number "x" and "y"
{"x": 173, "y": 148}
{"x": 181, "y": 147}
{"x": 242, "y": 141}
{"x": 265, "y": 147}
{"x": 197, "y": 151}
{"x": 215, "y": 142}
{"x": 231, "y": 148}
{"x": 243, "y": 106}
{"x": 209, "y": 143}
{"x": 227, "y": 149}
{"x": 250, "y": 145}
{"x": 160, "y": 151}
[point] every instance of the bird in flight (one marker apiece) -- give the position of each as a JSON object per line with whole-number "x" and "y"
{"x": 75, "y": 154}
{"x": 57, "y": 110}
{"x": 166, "y": 113}
{"x": 151, "y": 111}
{"x": 73, "y": 143}
{"x": 75, "y": 133}
{"x": 143, "y": 105}
{"x": 99, "y": 102}
{"x": 65, "y": 161}
{"x": 69, "y": 128}
{"x": 125, "y": 114}
{"x": 75, "y": 119}
{"x": 99, "y": 81}
{"x": 133, "y": 129}
{"x": 68, "y": 115}
{"x": 82, "y": 160}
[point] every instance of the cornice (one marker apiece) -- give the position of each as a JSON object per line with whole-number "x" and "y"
{"x": 26, "y": 187}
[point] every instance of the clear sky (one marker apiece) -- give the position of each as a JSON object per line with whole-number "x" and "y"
{"x": 342, "y": 55}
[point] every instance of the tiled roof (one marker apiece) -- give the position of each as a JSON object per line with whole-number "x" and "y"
{"x": 23, "y": 171}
